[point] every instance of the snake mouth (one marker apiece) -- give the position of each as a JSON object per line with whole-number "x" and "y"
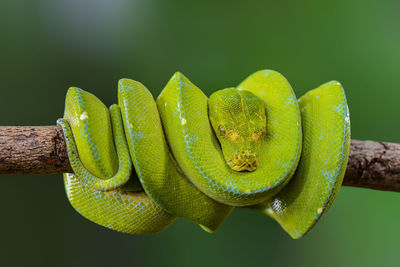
{"x": 245, "y": 161}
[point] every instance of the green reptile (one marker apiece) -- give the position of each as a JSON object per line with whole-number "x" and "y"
{"x": 198, "y": 157}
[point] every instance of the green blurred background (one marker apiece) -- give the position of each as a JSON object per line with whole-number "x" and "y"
{"x": 48, "y": 46}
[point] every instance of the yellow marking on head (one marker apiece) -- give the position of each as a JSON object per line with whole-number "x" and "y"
{"x": 232, "y": 135}
{"x": 258, "y": 115}
{"x": 131, "y": 125}
{"x": 319, "y": 210}
{"x": 256, "y": 136}
{"x": 183, "y": 121}
{"x": 247, "y": 191}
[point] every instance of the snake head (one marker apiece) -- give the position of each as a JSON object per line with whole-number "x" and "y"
{"x": 239, "y": 122}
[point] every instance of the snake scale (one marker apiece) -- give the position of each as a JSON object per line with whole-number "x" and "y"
{"x": 141, "y": 163}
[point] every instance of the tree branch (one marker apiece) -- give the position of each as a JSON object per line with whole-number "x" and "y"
{"x": 33, "y": 150}
{"x": 374, "y": 165}
{"x": 41, "y": 150}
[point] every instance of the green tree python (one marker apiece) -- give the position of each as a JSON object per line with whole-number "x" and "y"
{"x": 198, "y": 157}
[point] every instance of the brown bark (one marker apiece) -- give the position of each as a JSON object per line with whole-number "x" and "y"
{"x": 32, "y": 150}
{"x": 374, "y": 165}
{"x": 41, "y": 150}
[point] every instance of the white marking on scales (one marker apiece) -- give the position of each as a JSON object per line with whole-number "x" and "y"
{"x": 84, "y": 116}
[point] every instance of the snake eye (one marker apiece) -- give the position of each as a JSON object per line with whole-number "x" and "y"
{"x": 221, "y": 130}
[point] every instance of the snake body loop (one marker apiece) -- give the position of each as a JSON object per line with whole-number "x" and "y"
{"x": 197, "y": 157}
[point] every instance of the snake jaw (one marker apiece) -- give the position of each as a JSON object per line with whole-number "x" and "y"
{"x": 245, "y": 161}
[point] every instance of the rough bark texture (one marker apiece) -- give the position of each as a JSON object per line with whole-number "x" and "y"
{"x": 32, "y": 149}
{"x": 374, "y": 165}
{"x": 41, "y": 150}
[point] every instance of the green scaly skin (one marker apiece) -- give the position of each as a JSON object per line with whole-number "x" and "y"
{"x": 161, "y": 178}
{"x": 326, "y": 144}
{"x": 120, "y": 210}
{"x": 197, "y": 157}
{"x": 184, "y": 112}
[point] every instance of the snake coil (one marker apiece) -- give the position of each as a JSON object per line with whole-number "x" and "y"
{"x": 293, "y": 152}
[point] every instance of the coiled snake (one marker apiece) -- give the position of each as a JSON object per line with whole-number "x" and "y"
{"x": 197, "y": 157}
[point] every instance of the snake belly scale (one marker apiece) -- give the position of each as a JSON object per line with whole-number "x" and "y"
{"x": 141, "y": 163}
